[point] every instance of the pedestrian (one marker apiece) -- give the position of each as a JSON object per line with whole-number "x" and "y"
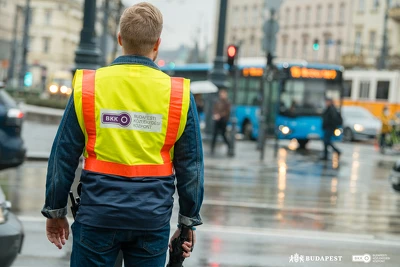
{"x": 331, "y": 119}
{"x": 138, "y": 131}
{"x": 221, "y": 113}
{"x": 386, "y": 128}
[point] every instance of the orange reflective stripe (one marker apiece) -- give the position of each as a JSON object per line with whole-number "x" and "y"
{"x": 88, "y": 109}
{"x": 174, "y": 117}
{"x": 105, "y": 167}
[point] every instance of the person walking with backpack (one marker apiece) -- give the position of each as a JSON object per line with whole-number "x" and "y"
{"x": 331, "y": 119}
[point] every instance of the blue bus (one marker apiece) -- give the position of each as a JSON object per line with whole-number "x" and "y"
{"x": 294, "y": 96}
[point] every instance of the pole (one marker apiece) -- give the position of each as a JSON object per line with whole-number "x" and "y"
{"x": 218, "y": 75}
{"x": 268, "y": 66}
{"x": 117, "y": 17}
{"x": 25, "y": 42}
{"x": 385, "y": 47}
{"x": 11, "y": 69}
{"x": 87, "y": 55}
{"x": 103, "y": 44}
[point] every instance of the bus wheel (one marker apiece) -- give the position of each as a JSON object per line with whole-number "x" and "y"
{"x": 347, "y": 135}
{"x": 302, "y": 143}
{"x": 248, "y": 130}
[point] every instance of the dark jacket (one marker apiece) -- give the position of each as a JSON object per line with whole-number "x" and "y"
{"x": 330, "y": 118}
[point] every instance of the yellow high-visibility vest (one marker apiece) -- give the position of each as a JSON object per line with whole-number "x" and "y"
{"x": 131, "y": 116}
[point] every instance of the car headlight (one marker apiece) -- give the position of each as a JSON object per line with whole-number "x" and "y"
{"x": 63, "y": 89}
{"x": 284, "y": 129}
{"x": 53, "y": 88}
{"x": 358, "y": 127}
{"x": 338, "y": 132}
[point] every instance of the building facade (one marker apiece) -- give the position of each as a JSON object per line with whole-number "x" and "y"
{"x": 54, "y": 35}
{"x": 245, "y": 20}
{"x": 315, "y": 30}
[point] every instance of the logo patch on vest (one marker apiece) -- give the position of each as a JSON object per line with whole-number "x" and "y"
{"x": 138, "y": 121}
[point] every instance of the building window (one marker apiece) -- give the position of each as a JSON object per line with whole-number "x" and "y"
{"x": 364, "y": 89}
{"x": 361, "y": 5}
{"x": 342, "y": 13}
{"x": 284, "y": 47}
{"x": 382, "y": 91}
{"x": 47, "y": 17}
{"x": 255, "y": 15}
{"x": 308, "y": 14}
{"x": 330, "y": 14}
{"x": 326, "y": 49}
{"x": 252, "y": 40}
{"x": 235, "y": 21}
{"x": 347, "y": 88}
{"x": 371, "y": 43}
{"x": 31, "y": 15}
{"x": 294, "y": 51}
{"x": 287, "y": 17}
{"x": 31, "y": 43}
{"x": 297, "y": 16}
{"x": 338, "y": 49}
{"x": 357, "y": 44}
{"x": 305, "y": 48}
{"x": 46, "y": 45}
{"x": 375, "y": 5}
{"x": 319, "y": 14}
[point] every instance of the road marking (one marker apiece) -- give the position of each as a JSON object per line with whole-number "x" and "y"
{"x": 300, "y": 234}
{"x": 258, "y": 205}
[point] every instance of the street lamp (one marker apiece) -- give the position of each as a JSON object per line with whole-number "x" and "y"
{"x": 87, "y": 56}
{"x": 218, "y": 75}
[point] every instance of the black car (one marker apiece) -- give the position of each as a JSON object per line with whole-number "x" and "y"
{"x": 11, "y": 233}
{"x": 12, "y": 149}
{"x": 394, "y": 177}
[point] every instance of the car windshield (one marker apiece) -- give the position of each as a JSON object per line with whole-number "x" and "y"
{"x": 358, "y": 113}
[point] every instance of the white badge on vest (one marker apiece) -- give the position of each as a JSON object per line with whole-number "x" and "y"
{"x": 138, "y": 121}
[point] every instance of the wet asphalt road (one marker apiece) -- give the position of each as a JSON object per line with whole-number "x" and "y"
{"x": 259, "y": 213}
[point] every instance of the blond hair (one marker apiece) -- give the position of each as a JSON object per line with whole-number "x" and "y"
{"x": 140, "y": 28}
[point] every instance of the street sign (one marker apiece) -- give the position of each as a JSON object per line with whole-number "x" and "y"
{"x": 28, "y": 79}
{"x": 271, "y": 28}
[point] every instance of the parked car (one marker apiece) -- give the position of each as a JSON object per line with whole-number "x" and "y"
{"x": 394, "y": 177}
{"x": 12, "y": 149}
{"x": 359, "y": 124}
{"x": 11, "y": 233}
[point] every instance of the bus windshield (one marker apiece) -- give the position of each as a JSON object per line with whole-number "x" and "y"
{"x": 307, "y": 97}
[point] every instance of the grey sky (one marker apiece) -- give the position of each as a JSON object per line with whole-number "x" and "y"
{"x": 183, "y": 19}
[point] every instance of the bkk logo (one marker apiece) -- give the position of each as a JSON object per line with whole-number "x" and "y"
{"x": 123, "y": 119}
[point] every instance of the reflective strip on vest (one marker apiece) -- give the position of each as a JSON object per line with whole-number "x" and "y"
{"x": 91, "y": 121}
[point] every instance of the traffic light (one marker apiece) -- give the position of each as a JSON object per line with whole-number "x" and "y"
{"x": 315, "y": 45}
{"x": 232, "y": 53}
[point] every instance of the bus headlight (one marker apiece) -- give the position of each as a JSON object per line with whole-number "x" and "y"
{"x": 53, "y": 89}
{"x": 63, "y": 89}
{"x": 284, "y": 129}
{"x": 338, "y": 132}
{"x": 358, "y": 127}
{"x": 69, "y": 91}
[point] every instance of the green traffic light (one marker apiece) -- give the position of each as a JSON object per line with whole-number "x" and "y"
{"x": 316, "y": 47}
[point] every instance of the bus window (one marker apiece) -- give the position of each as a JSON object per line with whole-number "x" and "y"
{"x": 241, "y": 94}
{"x": 382, "y": 90}
{"x": 306, "y": 97}
{"x": 347, "y": 88}
{"x": 253, "y": 96}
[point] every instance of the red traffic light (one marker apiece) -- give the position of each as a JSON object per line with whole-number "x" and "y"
{"x": 232, "y": 51}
